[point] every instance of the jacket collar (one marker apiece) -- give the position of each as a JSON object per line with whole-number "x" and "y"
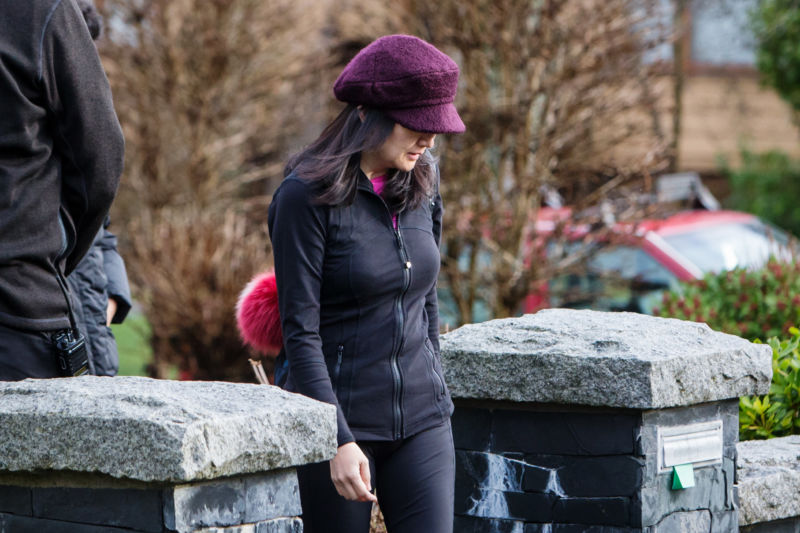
{"x": 364, "y": 183}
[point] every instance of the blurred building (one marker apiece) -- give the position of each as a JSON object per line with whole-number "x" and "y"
{"x": 724, "y": 107}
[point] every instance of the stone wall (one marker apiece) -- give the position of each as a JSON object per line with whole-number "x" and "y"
{"x": 564, "y": 470}
{"x": 259, "y": 503}
{"x": 571, "y": 421}
{"x": 769, "y": 485}
{"x": 103, "y": 455}
{"x": 565, "y": 422}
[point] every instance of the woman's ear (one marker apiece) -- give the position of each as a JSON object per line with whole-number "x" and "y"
{"x": 361, "y": 113}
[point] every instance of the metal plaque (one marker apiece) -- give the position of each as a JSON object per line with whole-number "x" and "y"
{"x": 696, "y": 444}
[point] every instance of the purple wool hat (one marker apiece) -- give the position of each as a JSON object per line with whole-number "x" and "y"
{"x": 409, "y": 80}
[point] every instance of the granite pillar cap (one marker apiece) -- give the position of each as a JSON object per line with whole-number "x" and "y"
{"x": 158, "y": 430}
{"x": 594, "y": 358}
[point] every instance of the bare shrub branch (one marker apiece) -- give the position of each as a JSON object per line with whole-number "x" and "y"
{"x": 553, "y": 92}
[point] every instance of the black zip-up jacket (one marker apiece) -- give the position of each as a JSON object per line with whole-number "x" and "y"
{"x": 61, "y": 151}
{"x": 358, "y": 309}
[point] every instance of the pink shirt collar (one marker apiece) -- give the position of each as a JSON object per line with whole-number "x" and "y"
{"x": 378, "y": 183}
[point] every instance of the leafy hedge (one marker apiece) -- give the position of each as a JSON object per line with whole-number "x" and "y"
{"x": 752, "y": 304}
{"x": 778, "y": 413}
{"x": 755, "y": 305}
{"x": 776, "y": 24}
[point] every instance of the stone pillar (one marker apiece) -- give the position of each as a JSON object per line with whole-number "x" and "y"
{"x": 768, "y": 478}
{"x": 575, "y": 421}
{"x": 105, "y": 455}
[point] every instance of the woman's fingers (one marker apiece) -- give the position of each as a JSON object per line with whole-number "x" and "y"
{"x": 365, "y": 487}
{"x": 346, "y": 490}
{"x": 350, "y": 473}
{"x": 352, "y": 487}
{"x": 365, "y": 476}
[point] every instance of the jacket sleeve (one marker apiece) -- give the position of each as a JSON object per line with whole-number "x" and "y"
{"x": 298, "y": 230}
{"x": 114, "y": 266}
{"x": 431, "y": 299}
{"x": 87, "y": 134}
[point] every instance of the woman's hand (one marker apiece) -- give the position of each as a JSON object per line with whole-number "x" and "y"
{"x": 111, "y": 310}
{"x": 350, "y": 473}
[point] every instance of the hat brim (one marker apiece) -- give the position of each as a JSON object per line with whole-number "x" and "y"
{"x": 441, "y": 118}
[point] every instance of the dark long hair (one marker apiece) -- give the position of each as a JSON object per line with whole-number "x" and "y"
{"x": 333, "y": 161}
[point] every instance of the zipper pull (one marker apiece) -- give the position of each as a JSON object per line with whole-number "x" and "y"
{"x": 408, "y": 265}
{"x": 337, "y": 369}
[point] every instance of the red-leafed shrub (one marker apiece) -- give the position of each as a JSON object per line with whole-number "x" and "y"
{"x": 754, "y": 304}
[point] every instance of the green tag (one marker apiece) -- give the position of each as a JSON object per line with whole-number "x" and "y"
{"x": 682, "y": 476}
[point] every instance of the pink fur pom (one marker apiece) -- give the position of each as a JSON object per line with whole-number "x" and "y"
{"x": 257, "y": 314}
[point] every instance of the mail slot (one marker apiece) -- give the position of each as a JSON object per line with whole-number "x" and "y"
{"x": 698, "y": 444}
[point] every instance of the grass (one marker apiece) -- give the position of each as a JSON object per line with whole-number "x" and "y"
{"x": 133, "y": 344}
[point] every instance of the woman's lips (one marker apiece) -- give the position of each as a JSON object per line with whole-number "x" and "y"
{"x": 413, "y": 155}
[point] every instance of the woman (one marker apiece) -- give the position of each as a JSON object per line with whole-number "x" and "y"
{"x": 355, "y": 230}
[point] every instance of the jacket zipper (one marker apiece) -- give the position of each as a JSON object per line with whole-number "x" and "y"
{"x": 400, "y": 315}
{"x": 397, "y": 375}
{"x": 433, "y": 369}
{"x": 338, "y": 368}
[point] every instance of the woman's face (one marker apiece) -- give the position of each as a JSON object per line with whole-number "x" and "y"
{"x": 400, "y": 150}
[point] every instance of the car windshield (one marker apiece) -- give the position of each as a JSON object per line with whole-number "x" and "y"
{"x": 616, "y": 278}
{"x": 727, "y": 246}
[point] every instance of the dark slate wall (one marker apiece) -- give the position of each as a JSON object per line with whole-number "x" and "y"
{"x": 524, "y": 469}
{"x": 77, "y": 509}
{"x": 268, "y": 502}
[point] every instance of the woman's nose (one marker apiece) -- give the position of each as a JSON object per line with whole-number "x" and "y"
{"x": 427, "y": 139}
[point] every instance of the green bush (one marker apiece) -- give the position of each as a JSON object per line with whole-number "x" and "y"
{"x": 755, "y": 305}
{"x": 776, "y": 24}
{"x": 768, "y": 185}
{"x": 752, "y": 304}
{"x": 776, "y": 414}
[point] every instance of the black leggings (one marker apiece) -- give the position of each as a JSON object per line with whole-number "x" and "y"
{"x": 414, "y": 481}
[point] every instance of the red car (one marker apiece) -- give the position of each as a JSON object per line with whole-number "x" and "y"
{"x": 657, "y": 255}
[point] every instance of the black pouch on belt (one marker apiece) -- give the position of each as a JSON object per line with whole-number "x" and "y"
{"x": 69, "y": 344}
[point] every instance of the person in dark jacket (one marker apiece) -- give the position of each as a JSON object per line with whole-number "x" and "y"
{"x": 102, "y": 297}
{"x": 355, "y": 229}
{"x": 99, "y": 283}
{"x": 61, "y": 153}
